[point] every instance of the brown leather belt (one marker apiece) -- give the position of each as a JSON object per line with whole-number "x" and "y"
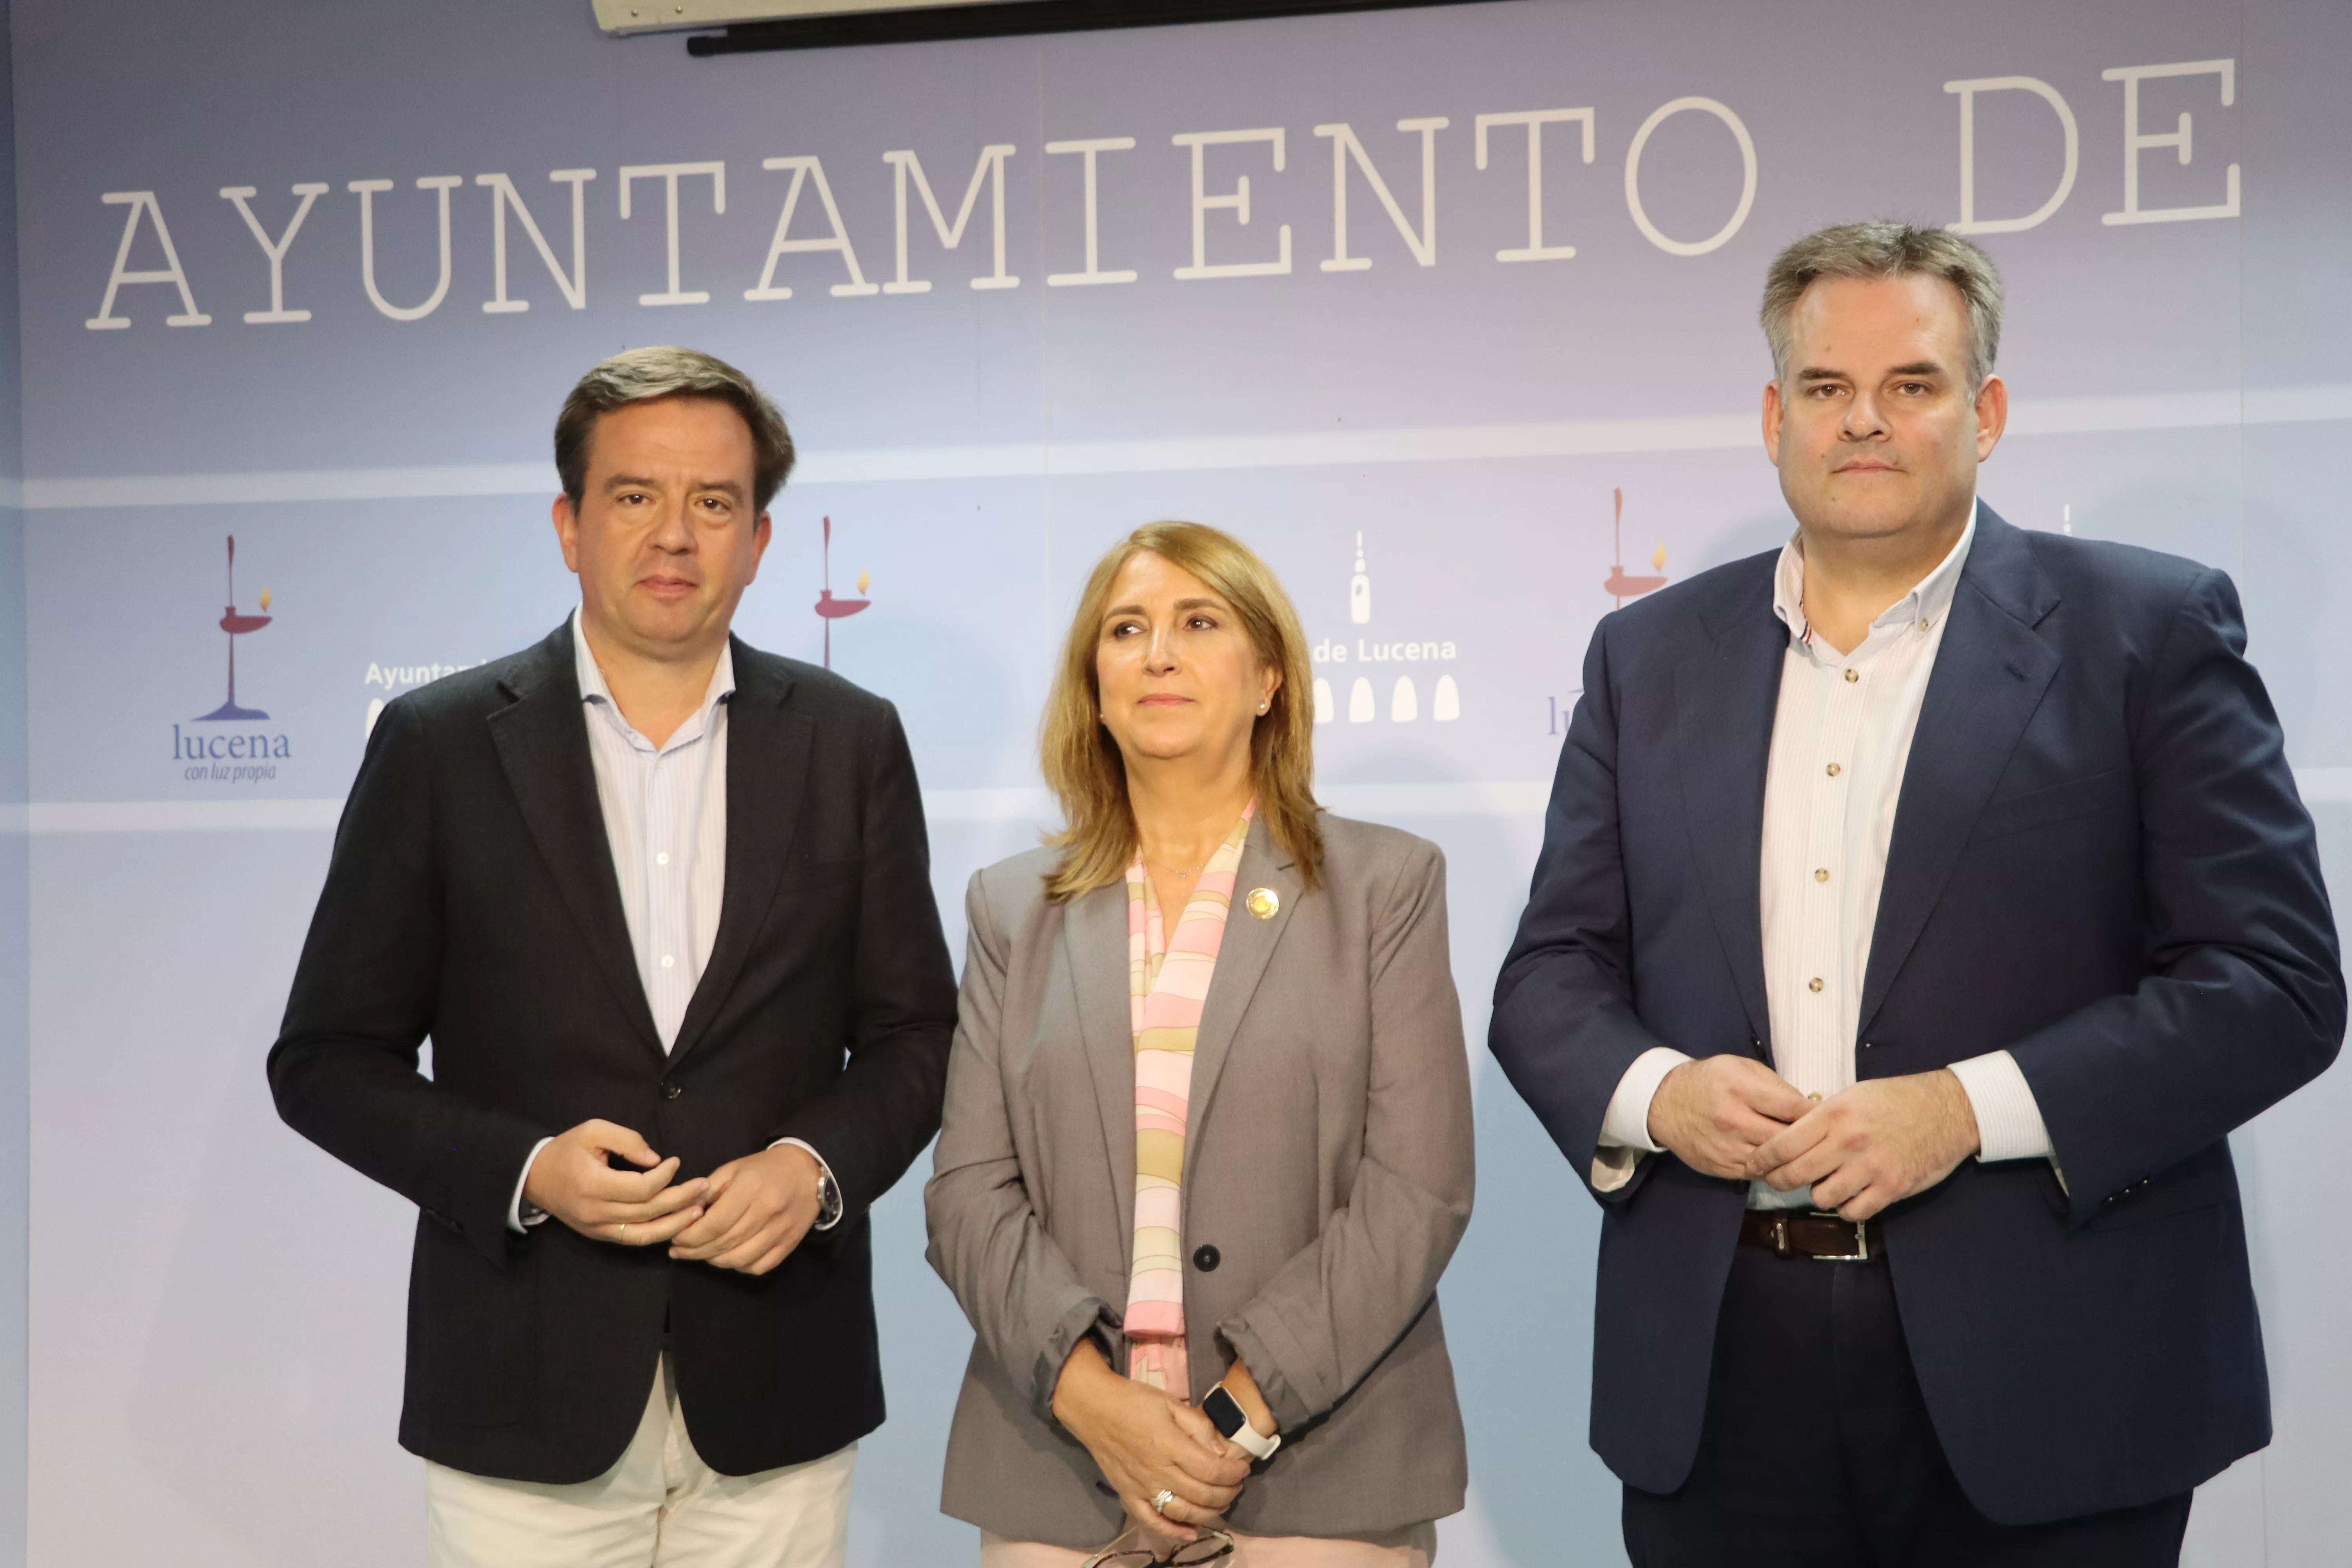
{"x": 1801, "y": 1233}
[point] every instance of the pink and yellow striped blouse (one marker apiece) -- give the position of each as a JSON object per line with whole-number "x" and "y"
{"x": 1168, "y": 984}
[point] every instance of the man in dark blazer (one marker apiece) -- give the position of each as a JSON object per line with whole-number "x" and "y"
{"x": 662, "y": 903}
{"x": 1920, "y": 908}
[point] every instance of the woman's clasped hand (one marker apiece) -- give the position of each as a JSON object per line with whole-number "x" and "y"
{"x": 1144, "y": 1443}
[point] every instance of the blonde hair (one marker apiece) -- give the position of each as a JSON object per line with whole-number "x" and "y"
{"x": 1082, "y": 763}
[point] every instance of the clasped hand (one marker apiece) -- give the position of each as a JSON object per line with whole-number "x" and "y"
{"x": 1861, "y": 1149}
{"x": 1147, "y": 1442}
{"x": 748, "y": 1215}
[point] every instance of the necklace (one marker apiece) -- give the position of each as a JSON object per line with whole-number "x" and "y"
{"x": 1172, "y": 871}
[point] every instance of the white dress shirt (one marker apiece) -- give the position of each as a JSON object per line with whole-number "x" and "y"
{"x": 1840, "y": 739}
{"x": 665, "y": 812}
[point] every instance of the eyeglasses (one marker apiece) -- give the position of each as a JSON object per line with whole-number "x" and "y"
{"x": 1126, "y": 1552}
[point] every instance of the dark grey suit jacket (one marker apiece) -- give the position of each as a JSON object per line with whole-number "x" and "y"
{"x": 1327, "y": 1178}
{"x": 472, "y": 899}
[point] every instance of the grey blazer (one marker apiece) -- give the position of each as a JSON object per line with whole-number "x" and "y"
{"x": 1328, "y": 1177}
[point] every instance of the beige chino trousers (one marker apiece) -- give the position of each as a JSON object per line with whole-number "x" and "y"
{"x": 658, "y": 1506}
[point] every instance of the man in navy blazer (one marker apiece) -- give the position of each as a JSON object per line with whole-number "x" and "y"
{"x": 1920, "y": 908}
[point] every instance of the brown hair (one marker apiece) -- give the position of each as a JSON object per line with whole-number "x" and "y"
{"x": 1885, "y": 249}
{"x": 646, "y": 375}
{"x": 1082, "y": 763}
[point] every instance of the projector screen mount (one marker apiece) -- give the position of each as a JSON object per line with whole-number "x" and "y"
{"x": 747, "y": 26}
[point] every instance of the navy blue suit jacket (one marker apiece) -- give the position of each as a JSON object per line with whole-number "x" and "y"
{"x": 2099, "y": 862}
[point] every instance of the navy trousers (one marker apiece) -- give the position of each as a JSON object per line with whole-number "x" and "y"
{"x": 1818, "y": 1452}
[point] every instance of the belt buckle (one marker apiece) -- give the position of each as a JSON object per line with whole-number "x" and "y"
{"x": 1861, "y": 1241}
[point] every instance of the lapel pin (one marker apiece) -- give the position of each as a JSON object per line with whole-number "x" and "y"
{"x": 1264, "y": 902}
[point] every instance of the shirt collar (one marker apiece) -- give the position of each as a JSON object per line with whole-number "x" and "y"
{"x": 1929, "y": 601}
{"x": 593, "y": 687}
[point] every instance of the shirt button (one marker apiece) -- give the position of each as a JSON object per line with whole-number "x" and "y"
{"x": 1821, "y": 874}
{"x": 670, "y": 962}
{"x": 662, "y": 859}
{"x": 1852, "y": 675}
{"x": 1835, "y": 770}
{"x": 1812, "y": 984}
{"x": 1923, "y": 625}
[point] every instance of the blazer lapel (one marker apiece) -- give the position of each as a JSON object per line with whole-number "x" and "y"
{"x": 1724, "y": 699}
{"x": 542, "y": 743}
{"x": 1989, "y": 676}
{"x": 1094, "y": 935}
{"x": 768, "y": 752}
{"x": 1242, "y": 956}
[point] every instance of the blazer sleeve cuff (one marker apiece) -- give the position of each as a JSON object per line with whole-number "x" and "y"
{"x": 2008, "y": 1119}
{"x": 805, "y": 1147}
{"x": 520, "y": 1215}
{"x": 1293, "y": 1406}
{"x": 1079, "y": 1319}
{"x": 476, "y": 1192}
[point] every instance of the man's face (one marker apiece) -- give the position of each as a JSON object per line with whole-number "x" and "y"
{"x": 1874, "y": 432}
{"x": 665, "y": 539}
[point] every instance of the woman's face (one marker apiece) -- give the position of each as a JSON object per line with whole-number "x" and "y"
{"x": 1178, "y": 674}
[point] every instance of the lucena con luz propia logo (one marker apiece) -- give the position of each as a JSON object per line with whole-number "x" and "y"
{"x": 232, "y": 747}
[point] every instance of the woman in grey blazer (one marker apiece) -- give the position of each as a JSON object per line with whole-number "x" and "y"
{"x": 1199, "y": 1175}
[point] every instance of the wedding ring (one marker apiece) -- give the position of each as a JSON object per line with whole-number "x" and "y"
{"x": 622, "y": 1234}
{"x": 1160, "y": 1499}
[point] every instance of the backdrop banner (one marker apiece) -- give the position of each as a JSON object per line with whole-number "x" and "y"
{"x": 1450, "y": 313}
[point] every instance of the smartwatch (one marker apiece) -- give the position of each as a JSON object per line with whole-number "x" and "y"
{"x": 1225, "y": 1412}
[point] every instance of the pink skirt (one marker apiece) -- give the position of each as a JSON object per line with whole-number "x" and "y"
{"x": 1413, "y": 1547}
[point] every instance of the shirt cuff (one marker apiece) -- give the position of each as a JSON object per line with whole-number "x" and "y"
{"x": 1626, "y": 1123}
{"x": 520, "y": 1215}
{"x": 2008, "y": 1122}
{"x": 804, "y": 1148}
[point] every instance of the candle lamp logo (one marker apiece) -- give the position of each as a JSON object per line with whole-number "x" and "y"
{"x": 831, "y": 608}
{"x": 237, "y": 624}
{"x": 1622, "y": 587}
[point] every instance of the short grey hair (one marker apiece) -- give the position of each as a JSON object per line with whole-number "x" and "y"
{"x": 1885, "y": 249}
{"x": 646, "y": 375}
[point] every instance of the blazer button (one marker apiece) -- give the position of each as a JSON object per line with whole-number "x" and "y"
{"x": 671, "y": 1091}
{"x": 1206, "y": 1257}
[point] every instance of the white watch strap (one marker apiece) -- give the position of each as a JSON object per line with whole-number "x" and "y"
{"x": 1259, "y": 1446}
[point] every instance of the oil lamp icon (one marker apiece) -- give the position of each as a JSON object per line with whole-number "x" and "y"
{"x": 831, "y": 608}
{"x": 237, "y": 626}
{"x": 1619, "y": 585}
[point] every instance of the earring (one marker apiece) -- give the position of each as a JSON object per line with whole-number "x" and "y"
{"x": 1262, "y": 706}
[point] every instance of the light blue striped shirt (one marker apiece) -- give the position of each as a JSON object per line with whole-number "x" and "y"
{"x": 666, "y": 817}
{"x": 665, "y": 812}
